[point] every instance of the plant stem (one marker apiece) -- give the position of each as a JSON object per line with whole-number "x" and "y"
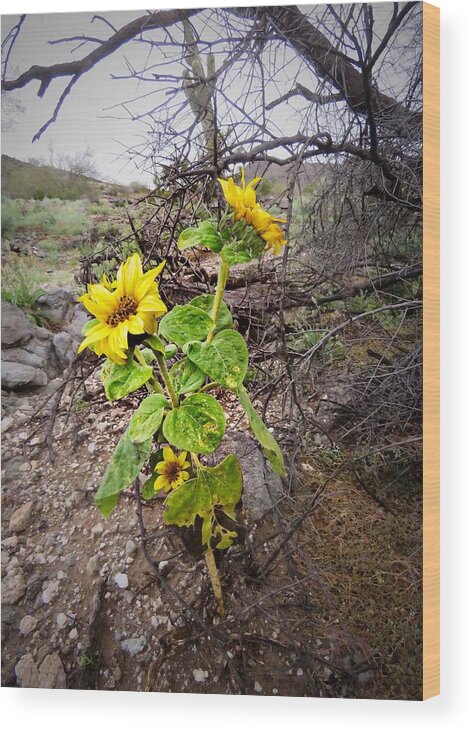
{"x": 207, "y": 387}
{"x": 215, "y": 581}
{"x": 222, "y": 281}
{"x": 166, "y": 377}
{"x": 153, "y": 384}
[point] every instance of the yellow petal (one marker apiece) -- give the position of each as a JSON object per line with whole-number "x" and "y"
{"x": 169, "y": 455}
{"x": 97, "y": 333}
{"x": 184, "y": 475}
{"x": 161, "y": 482}
{"x": 182, "y": 457}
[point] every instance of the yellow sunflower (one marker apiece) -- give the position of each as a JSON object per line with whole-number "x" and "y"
{"x": 243, "y": 200}
{"x": 130, "y": 304}
{"x": 171, "y": 470}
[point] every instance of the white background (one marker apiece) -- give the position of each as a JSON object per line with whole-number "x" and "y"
{"x": 71, "y": 710}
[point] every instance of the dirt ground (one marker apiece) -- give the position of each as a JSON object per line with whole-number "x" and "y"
{"x": 333, "y": 610}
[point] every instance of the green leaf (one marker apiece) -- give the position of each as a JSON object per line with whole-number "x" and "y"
{"x": 186, "y": 377}
{"x": 185, "y": 503}
{"x": 203, "y": 235}
{"x": 197, "y": 425}
{"x": 123, "y": 468}
{"x": 219, "y": 487}
{"x": 86, "y": 328}
{"x": 185, "y": 323}
{"x": 225, "y": 359}
{"x": 148, "y": 355}
{"x": 205, "y": 302}
{"x": 147, "y": 418}
{"x": 119, "y": 381}
{"x": 155, "y": 343}
{"x": 148, "y": 490}
{"x": 170, "y": 351}
{"x": 230, "y": 256}
{"x": 269, "y": 445}
{"x": 223, "y": 483}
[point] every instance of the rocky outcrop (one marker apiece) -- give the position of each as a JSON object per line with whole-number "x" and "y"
{"x": 31, "y": 355}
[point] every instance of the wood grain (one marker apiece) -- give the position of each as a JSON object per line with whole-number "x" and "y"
{"x": 431, "y": 473}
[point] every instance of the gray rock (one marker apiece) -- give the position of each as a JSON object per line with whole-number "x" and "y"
{"x": 25, "y": 357}
{"x": 27, "y": 674}
{"x": 73, "y": 635}
{"x": 28, "y": 624}
{"x": 13, "y": 587}
{"x": 64, "y": 349}
{"x": 130, "y": 549}
{"x": 70, "y": 559}
{"x": 50, "y": 592}
{"x": 16, "y": 328}
{"x": 11, "y": 542}
{"x": 56, "y": 304}
{"x": 21, "y": 518}
{"x": 17, "y": 376}
{"x": 51, "y": 673}
{"x": 262, "y": 487}
{"x": 133, "y": 646}
{"x": 78, "y": 320}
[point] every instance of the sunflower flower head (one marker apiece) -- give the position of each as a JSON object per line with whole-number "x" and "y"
{"x": 130, "y": 304}
{"x": 243, "y": 201}
{"x": 171, "y": 470}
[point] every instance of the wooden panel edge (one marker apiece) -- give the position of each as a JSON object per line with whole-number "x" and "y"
{"x": 431, "y": 471}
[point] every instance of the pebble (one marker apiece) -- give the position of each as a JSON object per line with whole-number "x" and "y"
{"x": 198, "y": 675}
{"x": 27, "y": 675}
{"x": 11, "y": 542}
{"x": 62, "y": 620}
{"x": 93, "y": 565}
{"x": 133, "y": 646}
{"x": 97, "y": 529}
{"x": 130, "y": 549}
{"x": 28, "y": 624}
{"x": 257, "y": 687}
{"x": 21, "y": 518}
{"x": 121, "y": 580}
{"x": 73, "y": 635}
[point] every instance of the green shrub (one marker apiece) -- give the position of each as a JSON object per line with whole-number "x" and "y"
{"x": 20, "y": 287}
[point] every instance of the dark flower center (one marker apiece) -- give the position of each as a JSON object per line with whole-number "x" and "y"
{"x": 127, "y": 307}
{"x": 172, "y": 471}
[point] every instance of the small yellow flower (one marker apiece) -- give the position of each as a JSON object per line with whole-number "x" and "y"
{"x": 129, "y": 304}
{"x": 171, "y": 470}
{"x": 243, "y": 200}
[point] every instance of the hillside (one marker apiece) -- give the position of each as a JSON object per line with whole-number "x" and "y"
{"x": 26, "y": 180}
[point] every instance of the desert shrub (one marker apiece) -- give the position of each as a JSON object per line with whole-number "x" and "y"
{"x": 53, "y": 216}
{"x": 8, "y": 219}
{"x": 137, "y": 187}
{"x": 21, "y": 287}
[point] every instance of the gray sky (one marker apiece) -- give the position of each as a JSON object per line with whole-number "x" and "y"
{"x": 87, "y": 117}
{"x": 82, "y": 119}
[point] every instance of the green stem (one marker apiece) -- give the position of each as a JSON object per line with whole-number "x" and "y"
{"x": 222, "y": 281}
{"x": 153, "y": 384}
{"x": 215, "y": 581}
{"x": 196, "y": 460}
{"x": 166, "y": 377}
